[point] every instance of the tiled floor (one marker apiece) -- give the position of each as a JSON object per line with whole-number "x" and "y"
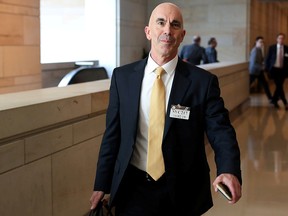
{"x": 262, "y": 133}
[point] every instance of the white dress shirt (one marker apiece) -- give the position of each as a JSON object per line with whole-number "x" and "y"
{"x": 139, "y": 157}
{"x": 279, "y": 56}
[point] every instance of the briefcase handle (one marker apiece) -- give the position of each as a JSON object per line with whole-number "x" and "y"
{"x": 101, "y": 210}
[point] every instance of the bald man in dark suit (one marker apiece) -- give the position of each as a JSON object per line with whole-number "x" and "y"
{"x": 193, "y": 107}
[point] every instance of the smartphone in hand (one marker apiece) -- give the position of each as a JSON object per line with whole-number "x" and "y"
{"x": 224, "y": 190}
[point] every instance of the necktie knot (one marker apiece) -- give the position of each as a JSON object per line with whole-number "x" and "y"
{"x": 159, "y": 72}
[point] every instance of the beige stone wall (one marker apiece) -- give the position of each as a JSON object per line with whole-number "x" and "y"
{"x": 49, "y": 144}
{"x": 19, "y": 45}
{"x": 224, "y": 19}
{"x": 132, "y": 20}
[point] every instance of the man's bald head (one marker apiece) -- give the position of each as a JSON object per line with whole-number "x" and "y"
{"x": 167, "y": 6}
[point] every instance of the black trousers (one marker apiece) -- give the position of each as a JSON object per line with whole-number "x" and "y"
{"x": 262, "y": 80}
{"x": 279, "y": 76}
{"x": 140, "y": 195}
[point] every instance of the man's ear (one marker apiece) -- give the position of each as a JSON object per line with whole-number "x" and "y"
{"x": 147, "y": 32}
{"x": 183, "y": 35}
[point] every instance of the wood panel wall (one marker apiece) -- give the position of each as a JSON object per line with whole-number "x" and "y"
{"x": 267, "y": 20}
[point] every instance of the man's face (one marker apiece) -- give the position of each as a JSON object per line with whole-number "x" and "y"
{"x": 260, "y": 43}
{"x": 280, "y": 39}
{"x": 165, "y": 31}
{"x": 214, "y": 44}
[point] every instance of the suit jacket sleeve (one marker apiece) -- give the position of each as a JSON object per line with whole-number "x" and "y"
{"x": 270, "y": 59}
{"x": 221, "y": 134}
{"x": 204, "y": 56}
{"x": 255, "y": 66}
{"x": 286, "y": 59}
{"x": 110, "y": 142}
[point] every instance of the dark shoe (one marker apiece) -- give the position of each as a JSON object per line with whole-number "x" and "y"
{"x": 276, "y": 105}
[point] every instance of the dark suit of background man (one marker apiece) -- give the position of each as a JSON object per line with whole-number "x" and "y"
{"x": 194, "y": 53}
{"x": 277, "y": 65}
{"x": 256, "y": 66}
{"x": 184, "y": 188}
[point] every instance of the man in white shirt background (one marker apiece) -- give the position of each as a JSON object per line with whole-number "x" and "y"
{"x": 277, "y": 66}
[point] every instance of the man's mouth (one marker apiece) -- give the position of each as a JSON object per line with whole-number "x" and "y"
{"x": 166, "y": 39}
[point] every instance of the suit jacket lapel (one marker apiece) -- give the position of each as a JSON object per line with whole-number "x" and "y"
{"x": 134, "y": 92}
{"x": 179, "y": 88}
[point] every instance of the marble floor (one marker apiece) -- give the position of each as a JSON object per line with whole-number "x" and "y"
{"x": 262, "y": 133}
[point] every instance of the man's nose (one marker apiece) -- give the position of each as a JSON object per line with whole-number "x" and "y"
{"x": 167, "y": 28}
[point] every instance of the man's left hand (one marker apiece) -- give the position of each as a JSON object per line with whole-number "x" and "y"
{"x": 232, "y": 183}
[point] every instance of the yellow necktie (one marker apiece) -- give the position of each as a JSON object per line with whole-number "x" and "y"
{"x": 155, "y": 162}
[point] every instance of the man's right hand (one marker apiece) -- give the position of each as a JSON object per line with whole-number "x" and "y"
{"x": 96, "y": 197}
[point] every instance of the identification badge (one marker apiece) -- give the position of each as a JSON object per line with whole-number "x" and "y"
{"x": 179, "y": 112}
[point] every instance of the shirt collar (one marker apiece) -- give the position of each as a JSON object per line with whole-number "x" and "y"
{"x": 278, "y": 45}
{"x": 169, "y": 67}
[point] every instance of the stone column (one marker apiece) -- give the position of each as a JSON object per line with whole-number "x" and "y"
{"x": 20, "y": 67}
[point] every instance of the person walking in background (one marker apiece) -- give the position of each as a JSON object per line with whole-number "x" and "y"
{"x": 211, "y": 51}
{"x": 277, "y": 66}
{"x": 256, "y": 66}
{"x": 194, "y": 53}
{"x": 152, "y": 158}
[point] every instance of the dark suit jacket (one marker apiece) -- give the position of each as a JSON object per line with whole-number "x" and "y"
{"x": 272, "y": 55}
{"x": 183, "y": 147}
{"x": 194, "y": 54}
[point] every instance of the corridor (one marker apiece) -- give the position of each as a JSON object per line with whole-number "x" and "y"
{"x": 262, "y": 133}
